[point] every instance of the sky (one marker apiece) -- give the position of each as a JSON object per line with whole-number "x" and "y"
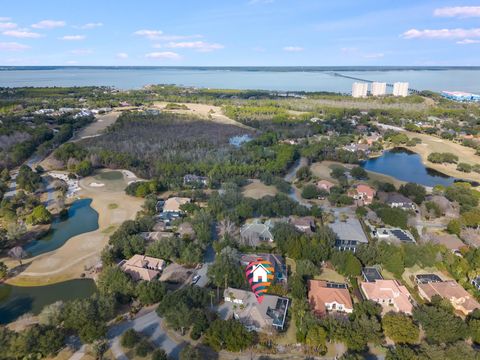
{"x": 240, "y": 32}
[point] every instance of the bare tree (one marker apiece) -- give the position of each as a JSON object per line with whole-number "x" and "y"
{"x": 17, "y": 253}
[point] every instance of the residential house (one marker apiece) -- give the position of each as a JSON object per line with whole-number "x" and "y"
{"x": 393, "y": 235}
{"x": 185, "y": 230}
{"x": 304, "y": 224}
{"x": 153, "y": 236}
{"x": 325, "y": 185}
{"x": 363, "y": 193}
{"x": 327, "y": 297}
{"x": 353, "y": 147}
{"x": 256, "y": 232}
{"x": 276, "y": 260}
{"x": 460, "y": 299}
{"x": 141, "y": 267}
{"x": 349, "y": 234}
{"x": 263, "y": 317}
{"x": 195, "y": 180}
{"x": 396, "y": 200}
{"x": 392, "y": 295}
{"x": 374, "y": 137}
{"x": 173, "y": 204}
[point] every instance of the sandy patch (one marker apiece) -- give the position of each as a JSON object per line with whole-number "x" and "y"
{"x": 205, "y": 111}
{"x": 256, "y": 190}
{"x": 96, "y": 128}
{"x": 83, "y": 251}
{"x": 95, "y": 184}
{"x": 323, "y": 169}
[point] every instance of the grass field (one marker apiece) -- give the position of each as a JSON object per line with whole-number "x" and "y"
{"x": 432, "y": 144}
{"x": 82, "y": 251}
{"x": 256, "y": 190}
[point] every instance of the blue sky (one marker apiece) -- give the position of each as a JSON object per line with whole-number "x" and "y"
{"x": 239, "y": 32}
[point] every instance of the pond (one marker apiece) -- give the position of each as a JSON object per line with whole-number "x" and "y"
{"x": 16, "y": 301}
{"x": 82, "y": 218}
{"x": 406, "y": 166}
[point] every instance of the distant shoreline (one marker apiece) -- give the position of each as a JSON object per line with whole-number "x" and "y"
{"x": 248, "y": 68}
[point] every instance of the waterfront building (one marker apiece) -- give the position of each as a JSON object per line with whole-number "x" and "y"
{"x": 400, "y": 89}
{"x": 359, "y": 90}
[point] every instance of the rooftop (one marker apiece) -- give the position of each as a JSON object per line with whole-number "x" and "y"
{"x": 321, "y": 292}
{"x": 351, "y": 229}
{"x": 243, "y": 306}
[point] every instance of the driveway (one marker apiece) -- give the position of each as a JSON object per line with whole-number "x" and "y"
{"x": 208, "y": 260}
{"x": 149, "y": 325}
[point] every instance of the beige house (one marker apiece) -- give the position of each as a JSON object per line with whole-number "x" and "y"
{"x": 173, "y": 204}
{"x": 392, "y": 295}
{"x": 141, "y": 267}
{"x": 460, "y": 299}
{"x": 326, "y": 297}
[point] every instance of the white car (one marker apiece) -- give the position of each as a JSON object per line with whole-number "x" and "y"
{"x": 195, "y": 279}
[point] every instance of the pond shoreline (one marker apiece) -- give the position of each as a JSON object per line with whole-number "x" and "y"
{"x": 428, "y": 168}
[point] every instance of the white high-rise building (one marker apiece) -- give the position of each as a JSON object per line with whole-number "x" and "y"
{"x": 400, "y": 89}
{"x": 359, "y": 89}
{"x": 378, "y": 88}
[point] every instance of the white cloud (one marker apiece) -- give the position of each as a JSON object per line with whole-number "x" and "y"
{"x": 458, "y": 11}
{"x": 374, "y": 56}
{"x": 442, "y": 33}
{"x": 71, "y": 62}
{"x": 22, "y": 34}
{"x": 122, "y": 55}
{"x": 13, "y": 46}
{"x": 72, "y": 37}
{"x": 201, "y": 46}
{"x": 49, "y": 24}
{"x": 7, "y": 25}
{"x": 89, "y": 26}
{"x": 468, "y": 42}
{"x": 81, "y": 51}
{"x": 4, "y": 18}
{"x": 293, "y": 48}
{"x": 169, "y": 55}
{"x": 149, "y": 34}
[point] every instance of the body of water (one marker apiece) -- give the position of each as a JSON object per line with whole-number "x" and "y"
{"x": 16, "y": 301}
{"x": 286, "y": 79}
{"x": 81, "y": 219}
{"x": 407, "y": 166}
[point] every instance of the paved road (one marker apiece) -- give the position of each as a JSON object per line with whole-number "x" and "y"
{"x": 148, "y": 324}
{"x": 208, "y": 259}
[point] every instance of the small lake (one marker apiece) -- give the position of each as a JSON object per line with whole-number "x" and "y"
{"x": 406, "y": 166}
{"x": 82, "y": 218}
{"x": 16, "y": 301}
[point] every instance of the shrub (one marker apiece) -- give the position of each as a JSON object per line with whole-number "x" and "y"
{"x": 143, "y": 348}
{"x": 129, "y": 339}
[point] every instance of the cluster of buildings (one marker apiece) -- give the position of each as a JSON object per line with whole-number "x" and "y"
{"x": 360, "y": 89}
{"x": 460, "y": 96}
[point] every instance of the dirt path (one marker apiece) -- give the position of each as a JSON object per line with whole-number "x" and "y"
{"x": 82, "y": 251}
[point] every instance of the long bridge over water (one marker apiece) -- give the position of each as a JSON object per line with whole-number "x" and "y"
{"x": 370, "y": 81}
